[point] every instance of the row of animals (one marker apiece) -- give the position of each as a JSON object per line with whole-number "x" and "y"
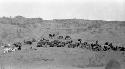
{"x": 68, "y": 42}
{"x": 61, "y": 41}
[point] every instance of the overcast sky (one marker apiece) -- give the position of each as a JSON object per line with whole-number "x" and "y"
{"x": 60, "y": 9}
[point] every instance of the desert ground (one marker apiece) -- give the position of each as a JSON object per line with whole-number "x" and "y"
{"x": 20, "y": 28}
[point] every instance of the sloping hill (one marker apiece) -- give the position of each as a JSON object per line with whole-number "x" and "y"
{"x": 88, "y": 30}
{"x": 20, "y": 28}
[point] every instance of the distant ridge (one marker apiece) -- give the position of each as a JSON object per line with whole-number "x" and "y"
{"x": 22, "y": 17}
{"x": 88, "y": 20}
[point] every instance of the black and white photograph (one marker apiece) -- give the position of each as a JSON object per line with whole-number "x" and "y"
{"x": 62, "y": 34}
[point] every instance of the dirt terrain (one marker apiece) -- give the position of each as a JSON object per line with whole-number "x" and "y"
{"x": 55, "y": 58}
{"x": 20, "y": 28}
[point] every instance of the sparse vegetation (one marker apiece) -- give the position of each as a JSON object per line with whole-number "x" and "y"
{"x": 18, "y": 29}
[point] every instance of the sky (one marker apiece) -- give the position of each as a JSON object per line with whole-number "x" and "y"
{"x": 65, "y": 9}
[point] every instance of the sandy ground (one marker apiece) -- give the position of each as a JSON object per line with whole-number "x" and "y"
{"x": 48, "y": 58}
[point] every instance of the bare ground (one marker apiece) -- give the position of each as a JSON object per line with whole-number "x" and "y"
{"x": 57, "y": 58}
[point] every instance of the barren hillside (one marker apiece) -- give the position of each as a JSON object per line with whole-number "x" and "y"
{"x": 20, "y": 28}
{"x": 89, "y": 30}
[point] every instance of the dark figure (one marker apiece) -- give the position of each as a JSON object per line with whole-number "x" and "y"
{"x": 17, "y": 44}
{"x": 112, "y": 47}
{"x": 51, "y": 45}
{"x": 39, "y": 45}
{"x": 51, "y": 35}
{"x": 121, "y": 48}
{"x": 28, "y": 42}
{"x": 88, "y": 46}
{"x": 43, "y": 43}
{"x": 83, "y": 45}
{"x": 60, "y": 37}
{"x": 80, "y": 40}
{"x": 62, "y": 44}
{"x": 19, "y": 48}
{"x": 106, "y": 43}
{"x": 71, "y": 45}
{"x": 115, "y": 48}
{"x": 68, "y": 42}
{"x": 55, "y": 43}
{"x": 106, "y": 48}
{"x": 40, "y": 42}
{"x": 97, "y": 42}
{"x": 77, "y": 44}
{"x": 97, "y": 47}
{"x": 67, "y": 38}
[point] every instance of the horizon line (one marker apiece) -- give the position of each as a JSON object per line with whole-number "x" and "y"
{"x": 58, "y": 18}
